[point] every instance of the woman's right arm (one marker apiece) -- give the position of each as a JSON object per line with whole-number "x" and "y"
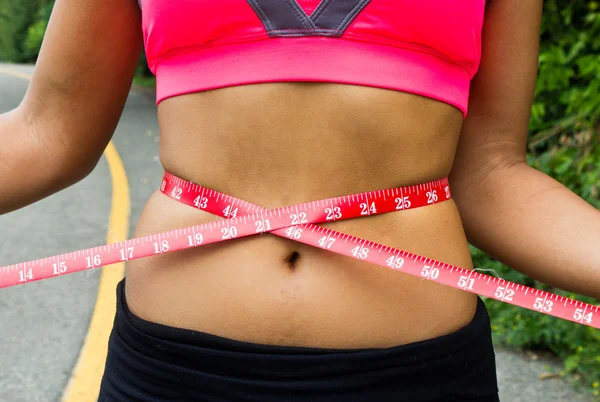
{"x": 56, "y": 136}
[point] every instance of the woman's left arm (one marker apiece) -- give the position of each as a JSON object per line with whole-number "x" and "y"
{"x": 515, "y": 213}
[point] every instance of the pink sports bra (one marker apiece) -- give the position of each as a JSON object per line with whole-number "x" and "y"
{"x": 426, "y": 47}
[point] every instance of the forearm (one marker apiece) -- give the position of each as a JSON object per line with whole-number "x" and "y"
{"x": 30, "y": 168}
{"x": 535, "y": 225}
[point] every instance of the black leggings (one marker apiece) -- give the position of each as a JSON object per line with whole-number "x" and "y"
{"x": 152, "y": 362}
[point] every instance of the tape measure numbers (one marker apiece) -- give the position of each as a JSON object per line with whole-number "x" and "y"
{"x": 297, "y": 223}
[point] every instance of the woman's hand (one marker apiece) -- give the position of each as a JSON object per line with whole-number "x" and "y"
{"x": 74, "y": 102}
{"x": 511, "y": 211}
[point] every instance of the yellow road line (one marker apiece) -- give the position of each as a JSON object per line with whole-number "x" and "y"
{"x": 84, "y": 383}
{"x": 16, "y": 74}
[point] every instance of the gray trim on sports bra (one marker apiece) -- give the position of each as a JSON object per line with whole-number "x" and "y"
{"x": 287, "y": 18}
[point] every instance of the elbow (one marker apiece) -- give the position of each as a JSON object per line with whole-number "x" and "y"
{"x": 76, "y": 159}
{"x": 36, "y": 163}
{"x": 65, "y": 163}
{"x": 74, "y": 167}
{"x": 480, "y": 182}
{"x": 72, "y": 176}
{"x": 484, "y": 192}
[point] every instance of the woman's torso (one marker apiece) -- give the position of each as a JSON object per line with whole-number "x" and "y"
{"x": 279, "y": 144}
{"x": 282, "y": 143}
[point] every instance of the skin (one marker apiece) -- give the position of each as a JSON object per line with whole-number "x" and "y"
{"x": 284, "y": 143}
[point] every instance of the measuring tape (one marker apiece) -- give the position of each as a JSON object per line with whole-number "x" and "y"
{"x": 297, "y": 223}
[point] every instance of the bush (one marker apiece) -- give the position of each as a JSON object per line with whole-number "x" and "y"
{"x": 568, "y": 86}
{"x": 15, "y": 19}
{"x": 35, "y": 33}
{"x": 143, "y": 75}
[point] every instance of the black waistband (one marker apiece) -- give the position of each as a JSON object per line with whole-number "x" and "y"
{"x": 158, "y": 361}
{"x": 145, "y": 335}
{"x": 150, "y": 330}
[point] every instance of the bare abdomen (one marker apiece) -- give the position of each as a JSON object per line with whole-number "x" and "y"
{"x": 279, "y": 147}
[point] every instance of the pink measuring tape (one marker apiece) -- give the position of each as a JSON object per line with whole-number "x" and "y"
{"x": 297, "y": 223}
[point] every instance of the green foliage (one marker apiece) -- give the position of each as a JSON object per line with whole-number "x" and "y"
{"x": 35, "y": 33}
{"x": 568, "y": 85}
{"x": 143, "y": 76}
{"x": 23, "y": 24}
{"x": 15, "y": 19}
{"x": 578, "y": 345}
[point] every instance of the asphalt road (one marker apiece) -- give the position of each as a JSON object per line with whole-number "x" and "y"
{"x": 43, "y": 324}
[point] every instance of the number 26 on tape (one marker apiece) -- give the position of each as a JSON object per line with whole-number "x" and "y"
{"x": 432, "y": 197}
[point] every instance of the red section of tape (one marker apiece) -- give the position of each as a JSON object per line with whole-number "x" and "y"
{"x": 297, "y": 223}
{"x": 383, "y": 202}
